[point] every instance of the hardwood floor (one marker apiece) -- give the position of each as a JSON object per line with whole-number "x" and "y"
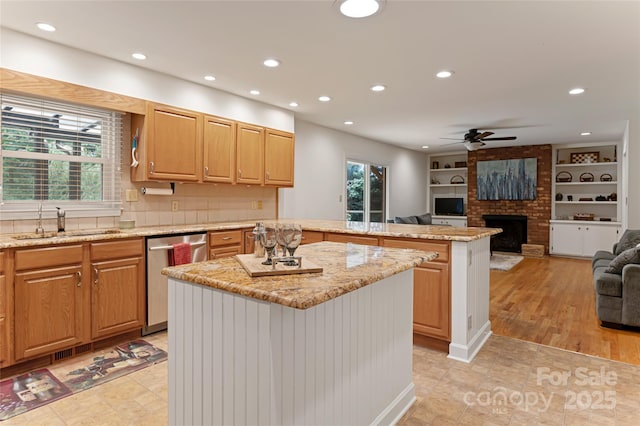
{"x": 551, "y": 301}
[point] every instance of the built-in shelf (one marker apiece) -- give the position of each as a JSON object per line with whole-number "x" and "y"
{"x": 605, "y": 163}
{"x": 610, "y": 182}
{"x": 440, "y": 185}
{"x": 444, "y": 185}
{"x": 587, "y": 202}
{"x": 450, "y": 169}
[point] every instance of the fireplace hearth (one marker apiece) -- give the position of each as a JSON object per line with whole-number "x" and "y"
{"x": 514, "y": 232}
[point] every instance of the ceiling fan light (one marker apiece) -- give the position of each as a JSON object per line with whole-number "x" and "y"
{"x": 473, "y": 146}
{"x": 359, "y": 8}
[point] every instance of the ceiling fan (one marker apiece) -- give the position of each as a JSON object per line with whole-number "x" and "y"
{"x": 474, "y": 140}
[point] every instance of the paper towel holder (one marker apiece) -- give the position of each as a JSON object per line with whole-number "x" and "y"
{"x": 159, "y": 191}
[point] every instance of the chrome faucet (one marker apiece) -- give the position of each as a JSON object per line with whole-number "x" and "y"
{"x": 40, "y": 229}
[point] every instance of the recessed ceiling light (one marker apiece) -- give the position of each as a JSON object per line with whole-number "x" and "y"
{"x": 348, "y": 122}
{"x": 444, "y": 74}
{"x": 139, "y": 56}
{"x": 425, "y": 146}
{"x": 209, "y": 78}
{"x": 45, "y": 27}
{"x": 576, "y": 91}
{"x": 378, "y": 88}
{"x": 359, "y": 8}
{"x": 255, "y": 92}
{"x": 293, "y": 104}
{"x": 585, "y": 133}
{"x": 271, "y": 63}
{"x": 324, "y": 98}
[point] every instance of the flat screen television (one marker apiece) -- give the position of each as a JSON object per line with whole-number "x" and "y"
{"x": 449, "y": 206}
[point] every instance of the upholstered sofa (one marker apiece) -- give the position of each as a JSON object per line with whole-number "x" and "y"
{"x": 423, "y": 219}
{"x": 616, "y": 276}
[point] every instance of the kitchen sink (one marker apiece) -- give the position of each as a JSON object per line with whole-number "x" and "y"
{"x": 67, "y": 234}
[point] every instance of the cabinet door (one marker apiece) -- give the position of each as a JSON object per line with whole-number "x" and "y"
{"x": 174, "y": 144}
{"x": 219, "y": 149}
{"x": 48, "y": 310}
{"x": 566, "y": 239}
{"x": 250, "y": 154}
{"x": 309, "y": 237}
{"x": 4, "y": 331}
{"x": 117, "y": 296}
{"x": 220, "y": 252}
{"x": 431, "y": 300}
{"x": 278, "y": 158}
{"x": 350, "y": 238}
{"x": 598, "y": 238}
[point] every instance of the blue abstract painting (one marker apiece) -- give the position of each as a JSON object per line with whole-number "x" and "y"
{"x": 508, "y": 179}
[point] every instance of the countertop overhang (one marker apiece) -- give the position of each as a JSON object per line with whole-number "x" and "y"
{"x": 429, "y": 232}
{"x": 346, "y": 267}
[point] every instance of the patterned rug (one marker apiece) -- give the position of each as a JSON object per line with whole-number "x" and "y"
{"x": 504, "y": 262}
{"x": 31, "y": 390}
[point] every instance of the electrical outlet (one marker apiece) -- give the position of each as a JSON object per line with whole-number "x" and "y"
{"x": 469, "y": 322}
{"x": 175, "y": 205}
{"x": 131, "y": 195}
{"x": 254, "y": 205}
{"x": 259, "y": 204}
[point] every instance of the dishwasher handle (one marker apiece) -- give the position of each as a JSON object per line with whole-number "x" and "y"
{"x": 169, "y": 247}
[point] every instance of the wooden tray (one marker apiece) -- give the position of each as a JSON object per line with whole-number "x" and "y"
{"x": 254, "y": 267}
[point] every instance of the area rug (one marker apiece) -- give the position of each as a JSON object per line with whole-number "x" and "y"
{"x": 504, "y": 262}
{"x": 39, "y": 387}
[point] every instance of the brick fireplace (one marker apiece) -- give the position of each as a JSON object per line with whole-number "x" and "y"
{"x": 538, "y": 211}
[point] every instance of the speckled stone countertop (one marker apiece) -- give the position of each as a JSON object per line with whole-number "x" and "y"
{"x": 430, "y": 232}
{"x": 346, "y": 268}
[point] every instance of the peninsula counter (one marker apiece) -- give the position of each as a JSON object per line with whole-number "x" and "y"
{"x": 324, "y": 348}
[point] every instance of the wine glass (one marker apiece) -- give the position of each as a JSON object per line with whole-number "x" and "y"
{"x": 269, "y": 240}
{"x": 280, "y": 237}
{"x": 293, "y": 238}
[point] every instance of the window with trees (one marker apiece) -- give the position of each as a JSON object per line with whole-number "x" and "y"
{"x": 366, "y": 197}
{"x": 58, "y": 154}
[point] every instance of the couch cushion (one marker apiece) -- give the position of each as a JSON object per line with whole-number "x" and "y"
{"x": 406, "y": 219}
{"x": 601, "y": 263}
{"x": 607, "y": 284}
{"x": 424, "y": 219}
{"x": 631, "y": 255}
{"x": 602, "y": 255}
{"x": 629, "y": 239}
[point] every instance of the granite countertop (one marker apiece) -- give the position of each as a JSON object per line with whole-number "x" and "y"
{"x": 346, "y": 267}
{"x": 429, "y": 232}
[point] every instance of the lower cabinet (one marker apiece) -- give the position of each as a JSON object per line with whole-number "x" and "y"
{"x": 225, "y": 243}
{"x": 582, "y": 238}
{"x": 351, "y": 238}
{"x": 309, "y": 237}
{"x": 48, "y": 300}
{"x": 5, "y": 336}
{"x": 449, "y": 220}
{"x": 117, "y": 287}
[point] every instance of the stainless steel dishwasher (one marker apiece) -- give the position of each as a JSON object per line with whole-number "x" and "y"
{"x": 157, "y": 286}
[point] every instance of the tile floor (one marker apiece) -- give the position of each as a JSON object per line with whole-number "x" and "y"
{"x": 510, "y": 382}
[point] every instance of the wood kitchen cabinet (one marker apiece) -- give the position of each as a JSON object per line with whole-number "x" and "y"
{"x": 431, "y": 291}
{"x": 225, "y": 243}
{"x": 117, "y": 287}
{"x": 5, "y": 336}
{"x": 351, "y": 238}
{"x": 169, "y": 145}
{"x": 49, "y": 290}
{"x": 219, "y": 150}
{"x": 278, "y": 158}
{"x": 309, "y": 237}
{"x": 250, "y": 154}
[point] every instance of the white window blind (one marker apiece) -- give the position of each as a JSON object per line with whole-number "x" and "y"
{"x": 59, "y": 154}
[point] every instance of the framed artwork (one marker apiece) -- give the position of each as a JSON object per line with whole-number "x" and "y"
{"x": 507, "y": 179}
{"x": 584, "y": 157}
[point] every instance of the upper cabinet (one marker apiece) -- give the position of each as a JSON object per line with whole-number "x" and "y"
{"x": 177, "y": 145}
{"x": 219, "y": 150}
{"x": 169, "y": 144}
{"x": 250, "y": 154}
{"x": 278, "y": 158}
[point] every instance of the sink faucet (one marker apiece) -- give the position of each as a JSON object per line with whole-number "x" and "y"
{"x": 40, "y": 229}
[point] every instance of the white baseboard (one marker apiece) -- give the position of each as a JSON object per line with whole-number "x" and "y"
{"x": 394, "y": 411}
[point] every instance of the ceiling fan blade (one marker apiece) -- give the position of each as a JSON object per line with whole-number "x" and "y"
{"x": 506, "y": 138}
{"x": 454, "y": 139}
{"x": 483, "y": 135}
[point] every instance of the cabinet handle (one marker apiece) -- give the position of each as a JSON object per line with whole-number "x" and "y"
{"x": 152, "y": 166}
{"x": 239, "y": 173}
{"x": 579, "y": 228}
{"x": 95, "y": 275}
{"x": 587, "y": 228}
{"x": 226, "y": 238}
{"x": 206, "y": 171}
{"x": 267, "y": 175}
{"x": 79, "y": 274}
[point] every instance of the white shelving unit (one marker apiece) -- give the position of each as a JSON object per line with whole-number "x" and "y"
{"x": 593, "y": 188}
{"x": 443, "y": 169}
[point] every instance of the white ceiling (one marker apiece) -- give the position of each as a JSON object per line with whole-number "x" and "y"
{"x": 514, "y": 62}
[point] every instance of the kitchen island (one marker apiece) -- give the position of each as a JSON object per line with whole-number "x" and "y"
{"x": 323, "y": 348}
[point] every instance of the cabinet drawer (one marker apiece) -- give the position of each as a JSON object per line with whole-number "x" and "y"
{"x": 116, "y": 249}
{"x": 224, "y": 238}
{"x": 50, "y": 256}
{"x": 1, "y": 262}
{"x": 220, "y": 252}
{"x": 442, "y": 248}
{"x": 309, "y": 237}
{"x": 350, "y": 238}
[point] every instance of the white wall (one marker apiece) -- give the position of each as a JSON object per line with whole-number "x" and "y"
{"x": 320, "y": 159}
{"x": 21, "y": 52}
{"x": 633, "y": 153}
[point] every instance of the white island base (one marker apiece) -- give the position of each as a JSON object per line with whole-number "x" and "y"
{"x": 237, "y": 360}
